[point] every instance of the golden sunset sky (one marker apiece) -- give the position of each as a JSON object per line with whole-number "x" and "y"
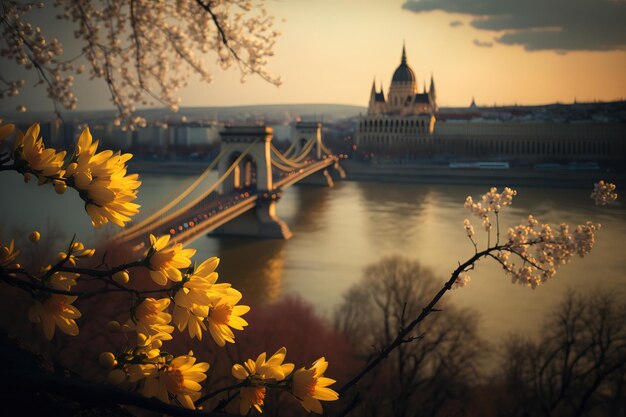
{"x": 500, "y": 52}
{"x": 331, "y": 50}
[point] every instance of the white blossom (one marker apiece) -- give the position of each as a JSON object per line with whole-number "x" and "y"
{"x": 461, "y": 281}
{"x": 603, "y": 193}
{"x": 469, "y": 229}
{"x": 144, "y": 50}
{"x": 541, "y": 250}
{"x": 491, "y": 202}
{"x": 533, "y": 251}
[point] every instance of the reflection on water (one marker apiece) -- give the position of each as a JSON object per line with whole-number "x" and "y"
{"x": 339, "y": 231}
{"x": 310, "y": 202}
{"x": 254, "y": 266}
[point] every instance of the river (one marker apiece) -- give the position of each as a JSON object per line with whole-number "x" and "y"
{"x": 339, "y": 231}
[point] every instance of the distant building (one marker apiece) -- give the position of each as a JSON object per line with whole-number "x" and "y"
{"x": 409, "y": 124}
{"x": 402, "y": 118}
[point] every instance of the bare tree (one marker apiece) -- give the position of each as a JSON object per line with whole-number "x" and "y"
{"x": 577, "y": 368}
{"x": 426, "y": 375}
{"x": 144, "y": 50}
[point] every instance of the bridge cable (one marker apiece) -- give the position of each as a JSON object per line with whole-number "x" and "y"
{"x": 291, "y": 149}
{"x": 305, "y": 151}
{"x": 176, "y": 200}
{"x": 198, "y": 199}
{"x": 326, "y": 150}
{"x": 284, "y": 167}
{"x": 285, "y": 160}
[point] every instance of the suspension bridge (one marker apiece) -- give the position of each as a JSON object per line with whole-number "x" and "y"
{"x": 251, "y": 174}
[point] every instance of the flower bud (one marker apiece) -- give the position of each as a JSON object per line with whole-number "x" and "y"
{"x": 121, "y": 277}
{"x": 34, "y": 236}
{"x": 114, "y": 326}
{"x": 116, "y": 377}
{"x": 107, "y": 360}
{"x": 61, "y": 256}
{"x": 141, "y": 339}
{"x": 60, "y": 187}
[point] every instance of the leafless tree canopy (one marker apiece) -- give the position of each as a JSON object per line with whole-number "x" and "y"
{"x": 577, "y": 368}
{"x": 425, "y": 376}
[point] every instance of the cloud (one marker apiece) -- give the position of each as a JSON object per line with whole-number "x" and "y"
{"x": 558, "y": 25}
{"x": 482, "y": 44}
{"x": 456, "y": 23}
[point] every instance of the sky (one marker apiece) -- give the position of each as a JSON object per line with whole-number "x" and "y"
{"x": 497, "y": 51}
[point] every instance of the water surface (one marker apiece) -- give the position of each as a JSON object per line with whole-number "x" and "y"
{"x": 339, "y": 231}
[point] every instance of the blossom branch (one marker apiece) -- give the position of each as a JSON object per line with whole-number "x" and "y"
{"x": 39, "y": 67}
{"x": 404, "y": 333}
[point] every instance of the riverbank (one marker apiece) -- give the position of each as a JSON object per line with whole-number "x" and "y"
{"x": 422, "y": 174}
{"x": 442, "y": 174}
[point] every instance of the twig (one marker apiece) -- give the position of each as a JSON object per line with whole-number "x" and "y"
{"x": 210, "y": 395}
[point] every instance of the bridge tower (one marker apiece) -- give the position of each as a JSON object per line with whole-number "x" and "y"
{"x": 253, "y": 173}
{"x": 303, "y": 132}
{"x": 255, "y": 167}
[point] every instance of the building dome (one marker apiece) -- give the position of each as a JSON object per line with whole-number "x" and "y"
{"x": 404, "y": 73}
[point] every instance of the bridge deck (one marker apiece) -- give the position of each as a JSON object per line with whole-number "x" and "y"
{"x": 216, "y": 210}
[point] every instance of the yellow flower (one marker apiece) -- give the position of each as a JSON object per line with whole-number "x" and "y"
{"x": 139, "y": 371}
{"x": 181, "y": 379}
{"x": 151, "y": 319}
{"x": 56, "y": 310}
{"x": 196, "y": 295}
{"x": 191, "y": 318}
{"x": 150, "y": 345}
{"x": 63, "y": 280}
{"x": 224, "y": 314}
{"x": 256, "y": 372}
{"x": 164, "y": 262}
{"x": 200, "y": 288}
{"x": 8, "y": 255}
{"x": 6, "y": 130}
{"x": 309, "y": 386}
{"x": 273, "y": 368}
{"x": 253, "y": 396}
{"x": 30, "y": 150}
{"x": 102, "y": 182}
{"x": 78, "y": 250}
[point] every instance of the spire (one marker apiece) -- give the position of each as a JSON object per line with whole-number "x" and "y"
{"x": 425, "y": 87}
{"x": 432, "y": 84}
{"x": 381, "y": 87}
{"x": 403, "y": 53}
{"x": 373, "y": 86}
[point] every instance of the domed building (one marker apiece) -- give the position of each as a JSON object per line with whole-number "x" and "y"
{"x": 400, "y": 119}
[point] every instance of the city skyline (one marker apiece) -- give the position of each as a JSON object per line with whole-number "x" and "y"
{"x": 330, "y": 51}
